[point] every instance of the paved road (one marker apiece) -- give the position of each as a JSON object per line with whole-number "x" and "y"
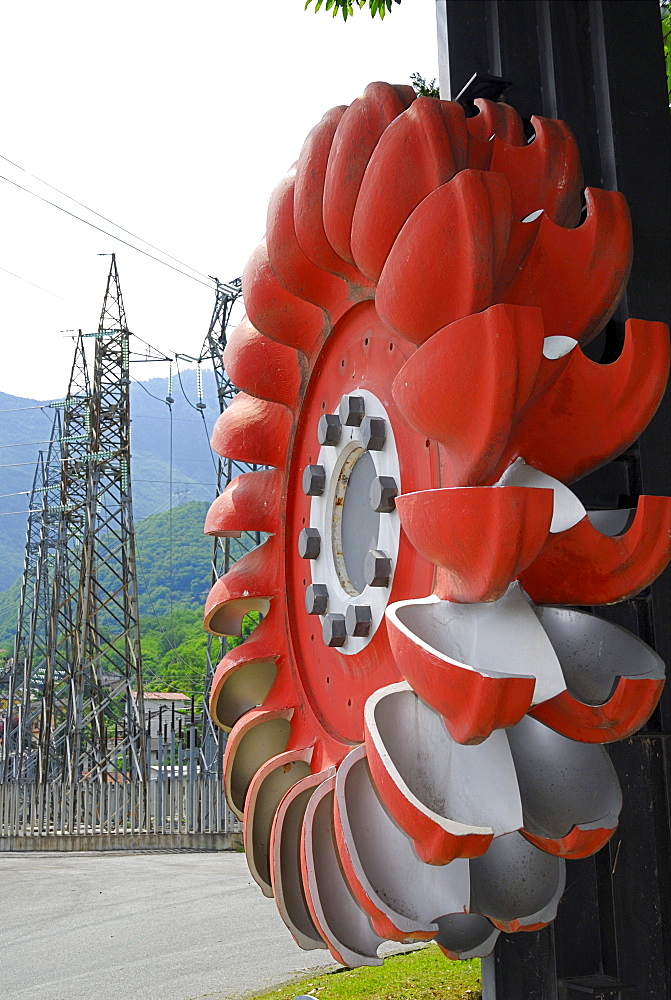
{"x": 140, "y": 927}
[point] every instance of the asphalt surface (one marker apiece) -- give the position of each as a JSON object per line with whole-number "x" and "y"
{"x": 110, "y": 926}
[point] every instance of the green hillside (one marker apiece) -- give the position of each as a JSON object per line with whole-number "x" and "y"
{"x": 25, "y": 426}
{"x": 174, "y": 567}
{"x": 173, "y": 559}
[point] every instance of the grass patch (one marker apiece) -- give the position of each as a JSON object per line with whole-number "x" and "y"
{"x": 424, "y": 974}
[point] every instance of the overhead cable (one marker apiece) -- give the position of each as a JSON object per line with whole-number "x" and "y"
{"x": 104, "y": 217}
{"x": 28, "y": 282}
{"x": 104, "y": 231}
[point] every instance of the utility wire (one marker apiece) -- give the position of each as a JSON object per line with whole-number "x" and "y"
{"x": 104, "y": 217}
{"x": 25, "y": 444}
{"x": 202, "y": 413}
{"x": 158, "y": 398}
{"x": 179, "y": 378}
{"x": 172, "y": 648}
{"x": 215, "y": 461}
{"x": 164, "y": 482}
{"x": 17, "y": 409}
{"x": 164, "y": 356}
{"x": 104, "y": 231}
{"x": 21, "y": 278}
{"x": 170, "y": 549}
{"x": 16, "y": 465}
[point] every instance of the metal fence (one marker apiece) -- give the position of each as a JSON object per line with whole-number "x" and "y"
{"x": 169, "y": 805}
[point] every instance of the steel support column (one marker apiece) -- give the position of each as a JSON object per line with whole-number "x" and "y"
{"x": 598, "y": 65}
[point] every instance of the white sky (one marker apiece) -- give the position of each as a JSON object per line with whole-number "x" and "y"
{"x": 176, "y": 121}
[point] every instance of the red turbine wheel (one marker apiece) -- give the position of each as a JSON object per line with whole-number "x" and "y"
{"x": 410, "y": 368}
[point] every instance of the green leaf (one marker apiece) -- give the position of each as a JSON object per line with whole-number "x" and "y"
{"x": 347, "y": 7}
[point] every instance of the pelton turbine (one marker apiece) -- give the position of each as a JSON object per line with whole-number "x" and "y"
{"x": 416, "y": 725}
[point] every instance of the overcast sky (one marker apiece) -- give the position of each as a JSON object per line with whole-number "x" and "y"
{"x": 175, "y": 121}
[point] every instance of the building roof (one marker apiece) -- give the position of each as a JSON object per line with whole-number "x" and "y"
{"x": 164, "y": 696}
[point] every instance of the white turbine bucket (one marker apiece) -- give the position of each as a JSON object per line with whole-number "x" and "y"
{"x": 287, "y": 876}
{"x": 563, "y": 783}
{"x": 516, "y": 883}
{"x": 498, "y": 639}
{"x": 271, "y": 783}
{"x": 568, "y": 510}
{"x": 466, "y": 935}
{"x": 463, "y": 789}
{"x": 594, "y": 653}
{"x": 410, "y": 893}
{"x": 343, "y": 924}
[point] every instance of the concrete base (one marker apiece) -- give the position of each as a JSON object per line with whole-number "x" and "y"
{"x": 126, "y": 842}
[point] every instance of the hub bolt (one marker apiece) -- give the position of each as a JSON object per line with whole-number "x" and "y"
{"x": 334, "y": 632}
{"x": 352, "y": 410}
{"x": 373, "y": 433}
{"x": 316, "y": 599}
{"x": 329, "y": 429}
{"x": 383, "y": 493}
{"x": 309, "y": 543}
{"x": 314, "y": 480}
{"x": 377, "y": 568}
{"x": 358, "y": 619}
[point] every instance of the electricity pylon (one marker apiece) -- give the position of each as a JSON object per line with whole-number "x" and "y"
{"x": 225, "y": 550}
{"x": 32, "y": 637}
{"x": 61, "y": 663}
{"x": 75, "y": 702}
{"x": 106, "y": 695}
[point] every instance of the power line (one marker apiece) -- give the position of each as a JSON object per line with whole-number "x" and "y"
{"x": 164, "y": 482}
{"x": 157, "y": 398}
{"x": 23, "y": 444}
{"x": 17, "y": 465}
{"x": 17, "y": 409}
{"x": 104, "y": 217}
{"x": 179, "y": 378}
{"x": 103, "y": 231}
{"x": 21, "y": 278}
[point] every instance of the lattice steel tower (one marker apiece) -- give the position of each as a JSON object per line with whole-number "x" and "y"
{"x": 61, "y": 660}
{"x": 105, "y": 729}
{"x": 28, "y": 674}
{"x": 225, "y": 550}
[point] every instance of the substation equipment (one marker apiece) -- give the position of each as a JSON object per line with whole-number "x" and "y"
{"x": 74, "y": 684}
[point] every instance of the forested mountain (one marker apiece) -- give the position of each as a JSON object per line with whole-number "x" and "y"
{"x": 24, "y": 431}
{"x": 174, "y": 566}
{"x": 173, "y": 555}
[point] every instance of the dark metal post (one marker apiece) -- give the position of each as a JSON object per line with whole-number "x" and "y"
{"x": 598, "y": 65}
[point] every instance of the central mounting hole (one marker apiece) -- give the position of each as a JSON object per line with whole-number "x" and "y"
{"x": 355, "y": 524}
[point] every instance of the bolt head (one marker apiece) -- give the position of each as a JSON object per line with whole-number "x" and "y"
{"x": 314, "y": 480}
{"x": 309, "y": 543}
{"x": 358, "y": 619}
{"x": 383, "y": 493}
{"x": 352, "y": 410}
{"x": 329, "y": 429}
{"x": 373, "y": 433}
{"x": 377, "y": 568}
{"x": 316, "y": 599}
{"x": 334, "y": 632}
